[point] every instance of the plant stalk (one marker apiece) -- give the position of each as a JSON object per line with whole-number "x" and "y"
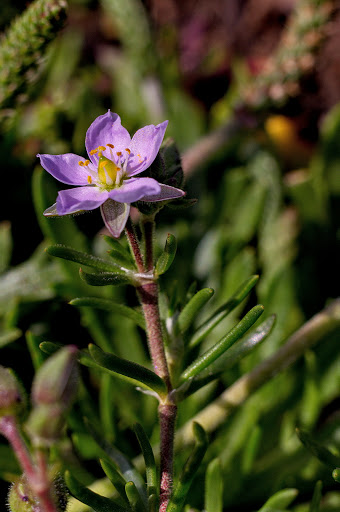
{"x": 148, "y": 296}
{"x": 37, "y": 477}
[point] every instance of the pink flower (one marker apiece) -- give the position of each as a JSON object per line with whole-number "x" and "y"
{"x": 109, "y": 178}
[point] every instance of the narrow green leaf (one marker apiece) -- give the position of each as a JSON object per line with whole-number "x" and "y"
{"x": 316, "y": 499}
{"x": 134, "y": 497}
{"x": 132, "y": 370}
{"x": 95, "y": 501}
{"x": 67, "y": 253}
{"x": 9, "y": 335}
{"x": 5, "y": 245}
{"x": 280, "y": 500}
{"x": 167, "y": 257}
{"x": 49, "y": 348}
{"x": 109, "y": 305}
{"x": 121, "y": 260}
{"x": 128, "y": 471}
{"x": 192, "y": 308}
{"x": 150, "y": 465}
{"x": 223, "y": 311}
{"x": 190, "y": 468}
{"x": 117, "y": 480}
{"x": 221, "y": 346}
{"x": 105, "y": 278}
{"x": 214, "y": 487}
{"x": 153, "y": 503}
{"x": 117, "y": 246}
{"x": 318, "y": 450}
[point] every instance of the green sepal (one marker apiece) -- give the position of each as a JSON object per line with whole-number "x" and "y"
{"x": 95, "y": 501}
{"x": 207, "y": 326}
{"x": 109, "y": 305}
{"x": 134, "y": 498}
{"x": 150, "y": 464}
{"x": 67, "y": 253}
{"x": 213, "y": 496}
{"x": 204, "y": 360}
{"x": 167, "y": 257}
{"x": 192, "y": 308}
{"x": 117, "y": 480}
{"x": 143, "y": 376}
{"x": 318, "y": 450}
{"x": 280, "y": 500}
{"x": 316, "y": 499}
{"x": 190, "y": 468}
{"x": 105, "y": 278}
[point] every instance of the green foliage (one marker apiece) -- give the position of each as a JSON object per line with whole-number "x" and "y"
{"x": 264, "y": 229}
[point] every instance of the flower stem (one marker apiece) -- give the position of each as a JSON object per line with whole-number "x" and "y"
{"x": 167, "y": 417}
{"x": 148, "y": 227}
{"x": 134, "y": 245}
{"x": 148, "y": 296}
{"x": 37, "y": 476}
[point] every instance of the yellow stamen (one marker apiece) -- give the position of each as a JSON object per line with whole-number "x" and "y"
{"x": 102, "y": 148}
{"x": 89, "y": 180}
{"x": 86, "y": 162}
{"x": 128, "y": 150}
{"x": 110, "y": 146}
{"x": 119, "y": 153}
{"x": 93, "y": 151}
{"x": 81, "y": 163}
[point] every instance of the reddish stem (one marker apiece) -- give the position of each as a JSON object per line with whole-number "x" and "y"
{"x": 37, "y": 477}
{"x": 148, "y": 296}
{"x": 167, "y": 417}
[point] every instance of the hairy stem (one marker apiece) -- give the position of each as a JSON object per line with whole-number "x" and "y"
{"x": 167, "y": 417}
{"x": 148, "y": 296}
{"x": 148, "y": 227}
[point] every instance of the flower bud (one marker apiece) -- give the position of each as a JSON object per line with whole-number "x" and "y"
{"x": 56, "y": 380}
{"x": 11, "y": 394}
{"x": 21, "y": 498}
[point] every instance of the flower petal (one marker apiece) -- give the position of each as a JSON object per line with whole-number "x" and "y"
{"x": 135, "y": 189}
{"x": 81, "y": 198}
{"x": 166, "y": 193}
{"x": 144, "y": 147}
{"x": 115, "y": 216}
{"x": 65, "y": 168}
{"x": 107, "y": 129}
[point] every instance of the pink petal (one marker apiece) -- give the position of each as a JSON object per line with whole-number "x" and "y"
{"x": 115, "y": 216}
{"x": 65, "y": 168}
{"x": 144, "y": 147}
{"x": 135, "y": 189}
{"x": 166, "y": 193}
{"x": 107, "y": 129}
{"x": 81, "y": 198}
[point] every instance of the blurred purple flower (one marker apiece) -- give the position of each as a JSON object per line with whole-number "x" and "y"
{"x": 108, "y": 179}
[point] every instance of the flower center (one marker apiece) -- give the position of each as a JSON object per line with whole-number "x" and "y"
{"x": 107, "y": 171}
